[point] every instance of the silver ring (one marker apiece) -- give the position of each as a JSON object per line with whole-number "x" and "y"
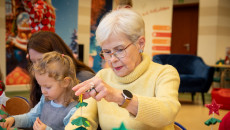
{"x": 95, "y": 90}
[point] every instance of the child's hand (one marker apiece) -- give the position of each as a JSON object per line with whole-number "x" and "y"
{"x": 39, "y": 125}
{"x": 9, "y": 122}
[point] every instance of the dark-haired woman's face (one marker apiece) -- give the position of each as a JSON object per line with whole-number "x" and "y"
{"x": 34, "y": 55}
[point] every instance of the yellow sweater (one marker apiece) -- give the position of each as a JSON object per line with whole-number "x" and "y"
{"x": 156, "y": 87}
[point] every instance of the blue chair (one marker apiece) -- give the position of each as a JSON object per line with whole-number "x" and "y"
{"x": 195, "y": 75}
{"x": 178, "y": 126}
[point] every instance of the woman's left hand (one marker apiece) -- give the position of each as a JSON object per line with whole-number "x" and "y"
{"x": 39, "y": 125}
{"x": 98, "y": 89}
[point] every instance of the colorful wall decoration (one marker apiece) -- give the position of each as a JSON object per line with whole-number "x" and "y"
{"x": 18, "y": 31}
{"x": 157, "y": 15}
{"x": 98, "y": 9}
{"x": 17, "y": 35}
{"x": 161, "y": 39}
{"x": 66, "y": 18}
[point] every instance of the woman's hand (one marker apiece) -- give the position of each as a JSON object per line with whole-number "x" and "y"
{"x": 39, "y": 125}
{"x": 98, "y": 89}
{"x": 9, "y": 122}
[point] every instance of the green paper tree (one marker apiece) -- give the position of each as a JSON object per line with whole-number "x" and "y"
{"x": 3, "y": 120}
{"x": 81, "y": 121}
{"x": 212, "y": 121}
{"x": 122, "y": 127}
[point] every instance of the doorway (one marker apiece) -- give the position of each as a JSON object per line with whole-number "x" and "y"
{"x": 185, "y": 29}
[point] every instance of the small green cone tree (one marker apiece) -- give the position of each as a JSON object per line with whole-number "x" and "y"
{"x": 81, "y": 121}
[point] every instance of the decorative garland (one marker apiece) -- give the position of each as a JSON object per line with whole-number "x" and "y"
{"x": 81, "y": 121}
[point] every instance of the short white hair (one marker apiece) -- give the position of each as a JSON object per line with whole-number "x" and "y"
{"x": 121, "y": 21}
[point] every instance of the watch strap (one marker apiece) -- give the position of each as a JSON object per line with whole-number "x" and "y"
{"x": 125, "y": 103}
{"x": 127, "y": 98}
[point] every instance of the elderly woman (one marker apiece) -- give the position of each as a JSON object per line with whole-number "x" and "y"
{"x": 134, "y": 90}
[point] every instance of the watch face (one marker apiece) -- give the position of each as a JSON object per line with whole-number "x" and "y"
{"x": 128, "y": 94}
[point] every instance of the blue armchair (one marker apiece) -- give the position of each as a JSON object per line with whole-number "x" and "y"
{"x": 195, "y": 75}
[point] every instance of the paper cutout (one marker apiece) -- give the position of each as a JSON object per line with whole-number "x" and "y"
{"x": 122, "y": 127}
{"x": 2, "y": 112}
{"x": 81, "y": 121}
{"x": 212, "y": 121}
{"x": 2, "y": 120}
{"x": 213, "y": 108}
{"x": 80, "y": 128}
{"x": 83, "y": 104}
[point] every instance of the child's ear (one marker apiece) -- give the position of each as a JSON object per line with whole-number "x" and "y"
{"x": 66, "y": 82}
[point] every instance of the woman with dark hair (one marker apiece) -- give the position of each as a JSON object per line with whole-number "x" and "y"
{"x": 43, "y": 42}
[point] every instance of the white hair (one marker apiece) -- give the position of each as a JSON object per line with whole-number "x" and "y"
{"x": 121, "y": 21}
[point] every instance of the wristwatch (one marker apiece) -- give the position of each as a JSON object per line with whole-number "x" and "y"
{"x": 127, "y": 98}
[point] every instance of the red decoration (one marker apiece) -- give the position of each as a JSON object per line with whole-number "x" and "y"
{"x": 41, "y": 14}
{"x": 213, "y": 108}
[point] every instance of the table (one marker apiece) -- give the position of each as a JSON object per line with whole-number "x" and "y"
{"x": 224, "y": 68}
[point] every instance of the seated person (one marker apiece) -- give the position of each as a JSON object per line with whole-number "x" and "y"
{"x": 56, "y": 75}
{"x": 134, "y": 90}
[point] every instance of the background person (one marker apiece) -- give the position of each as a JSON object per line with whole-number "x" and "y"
{"x": 42, "y": 42}
{"x": 134, "y": 90}
{"x": 56, "y": 75}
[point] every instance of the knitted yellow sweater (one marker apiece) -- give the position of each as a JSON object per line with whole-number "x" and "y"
{"x": 156, "y": 87}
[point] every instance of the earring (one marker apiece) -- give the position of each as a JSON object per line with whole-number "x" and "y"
{"x": 141, "y": 51}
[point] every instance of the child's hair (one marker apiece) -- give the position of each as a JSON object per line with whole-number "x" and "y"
{"x": 2, "y": 85}
{"x": 58, "y": 66}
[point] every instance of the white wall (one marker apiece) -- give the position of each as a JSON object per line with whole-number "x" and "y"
{"x": 223, "y": 28}
{"x": 214, "y": 30}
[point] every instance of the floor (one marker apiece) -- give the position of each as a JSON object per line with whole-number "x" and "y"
{"x": 192, "y": 115}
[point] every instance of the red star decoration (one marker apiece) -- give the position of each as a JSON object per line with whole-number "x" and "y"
{"x": 213, "y": 108}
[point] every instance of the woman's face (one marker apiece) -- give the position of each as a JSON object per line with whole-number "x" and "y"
{"x": 125, "y": 65}
{"x": 34, "y": 55}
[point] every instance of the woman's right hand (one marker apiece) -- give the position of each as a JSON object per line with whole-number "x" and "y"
{"x": 9, "y": 122}
{"x": 98, "y": 89}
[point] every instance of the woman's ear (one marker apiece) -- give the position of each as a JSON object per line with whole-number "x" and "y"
{"x": 66, "y": 82}
{"x": 141, "y": 42}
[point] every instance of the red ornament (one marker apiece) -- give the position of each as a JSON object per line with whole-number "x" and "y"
{"x": 213, "y": 108}
{"x": 41, "y": 14}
